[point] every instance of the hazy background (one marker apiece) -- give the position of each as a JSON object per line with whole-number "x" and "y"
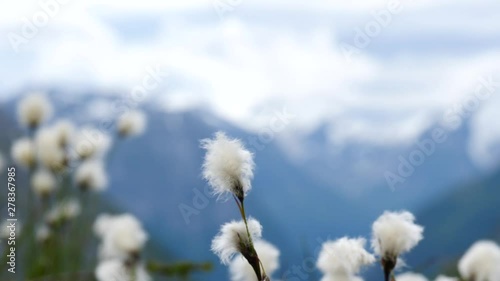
{"x": 358, "y": 88}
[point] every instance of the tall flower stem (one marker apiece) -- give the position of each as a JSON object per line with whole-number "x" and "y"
{"x": 241, "y": 207}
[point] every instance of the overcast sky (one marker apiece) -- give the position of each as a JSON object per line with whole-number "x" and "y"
{"x": 376, "y": 70}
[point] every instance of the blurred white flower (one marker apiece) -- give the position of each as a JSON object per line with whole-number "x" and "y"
{"x": 63, "y": 211}
{"x": 64, "y": 131}
{"x": 23, "y": 152}
{"x": 49, "y": 152}
{"x": 410, "y": 276}
{"x": 34, "y": 109}
{"x": 123, "y": 237}
{"x": 70, "y": 208}
{"x": 268, "y": 254}
{"x": 42, "y": 233}
{"x": 233, "y": 238}
{"x": 345, "y": 256}
{"x": 91, "y": 175}
{"x": 481, "y": 262}
{"x": 131, "y": 123}
{"x": 228, "y": 166}
{"x": 90, "y": 142}
{"x": 445, "y": 278}
{"x": 395, "y": 233}
{"x": 115, "y": 270}
{"x": 102, "y": 224}
{"x": 43, "y": 182}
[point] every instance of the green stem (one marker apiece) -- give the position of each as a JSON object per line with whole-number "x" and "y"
{"x": 241, "y": 207}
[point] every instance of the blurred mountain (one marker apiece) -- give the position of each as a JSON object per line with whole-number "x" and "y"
{"x": 300, "y": 202}
{"x": 455, "y": 221}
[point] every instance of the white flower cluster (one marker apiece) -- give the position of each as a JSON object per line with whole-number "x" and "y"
{"x": 228, "y": 166}
{"x": 395, "y": 233}
{"x": 269, "y": 255}
{"x": 34, "y": 109}
{"x": 122, "y": 240}
{"x": 481, "y": 262}
{"x": 343, "y": 258}
{"x": 63, "y": 212}
{"x": 131, "y": 123}
{"x": 233, "y": 238}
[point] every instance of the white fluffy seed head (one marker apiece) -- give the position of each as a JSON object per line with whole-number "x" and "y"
{"x": 70, "y": 208}
{"x": 23, "y": 152}
{"x": 241, "y": 270}
{"x": 42, "y": 233}
{"x": 233, "y": 234}
{"x": 344, "y": 256}
{"x": 131, "y": 123}
{"x": 115, "y": 270}
{"x": 122, "y": 237}
{"x": 63, "y": 211}
{"x": 43, "y": 182}
{"x": 49, "y": 152}
{"x": 395, "y": 233}
{"x": 64, "y": 131}
{"x": 228, "y": 166}
{"x": 91, "y": 175}
{"x": 410, "y": 276}
{"x": 445, "y": 278}
{"x": 481, "y": 262}
{"x": 90, "y": 142}
{"x": 102, "y": 224}
{"x": 34, "y": 109}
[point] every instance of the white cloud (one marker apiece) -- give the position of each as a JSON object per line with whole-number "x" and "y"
{"x": 244, "y": 64}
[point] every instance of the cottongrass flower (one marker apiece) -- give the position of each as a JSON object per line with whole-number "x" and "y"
{"x": 115, "y": 270}
{"x": 90, "y": 143}
{"x": 131, "y": 123}
{"x": 70, "y": 209}
{"x": 445, "y": 278}
{"x": 91, "y": 175}
{"x": 344, "y": 256}
{"x": 49, "y": 152}
{"x": 233, "y": 238}
{"x": 241, "y": 270}
{"x": 33, "y": 110}
{"x": 123, "y": 237}
{"x": 481, "y": 262}
{"x": 394, "y": 233}
{"x": 228, "y": 166}
{"x": 64, "y": 132}
{"x": 23, "y": 152}
{"x": 43, "y": 233}
{"x": 102, "y": 224}
{"x": 410, "y": 276}
{"x": 43, "y": 183}
{"x": 63, "y": 212}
